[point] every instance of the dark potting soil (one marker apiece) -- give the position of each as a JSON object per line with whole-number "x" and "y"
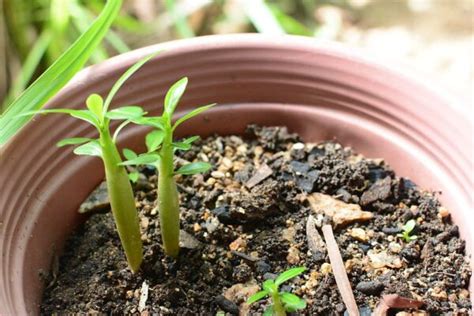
{"x": 245, "y": 221}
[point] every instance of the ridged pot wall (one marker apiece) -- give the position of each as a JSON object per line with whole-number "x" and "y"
{"x": 320, "y": 91}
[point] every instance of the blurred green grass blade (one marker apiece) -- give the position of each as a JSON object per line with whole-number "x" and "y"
{"x": 116, "y": 42}
{"x": 124, "y": 22}
{"x": 289, "y": 24}
{"x": 60, "y": 72}
{"x": 59, "y": 17}
{"x": 81, "y": 21}
{"x": 82, "y": 18}
{"x": 57, "y": 23}
{"x": 261, "y": 17}
{"x": 180, "y": 21}
{"x": 30, "y": 65}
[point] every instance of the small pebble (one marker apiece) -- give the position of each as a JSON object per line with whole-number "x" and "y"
{"x": 227, "y": 305}
{"x": 359, "y": 234}
{"x": 262, "y": 267}
{"x": 370, "y": 287}
{"x": 443, "y": 212}
{"x": 269, "y": 276}
{"x": 242, "y": 273}
{"x": 239, "y": 244}
{"x": 293, "y": 256}
{"x": 438, "y": 293}
{"x": 394, "y": 247}
{"x": 325, "y": 268}
{"x": 144, "y": 222}
{"x": 218, "y": 174}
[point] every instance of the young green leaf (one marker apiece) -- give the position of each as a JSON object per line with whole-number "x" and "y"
{"x": 185, "y": 144}
{"x": 89, "y": 149}
{"x": 133, "y": 176}
{"x": 191, "y": 114}
{"x": 289, "y": 274}
{"x": 154, "y": 139}
{"x": 125, "y": 113}
{"x": 156, "y": 122}
{"x": 87, "y": 116}
{"x": 191, "y": 139}
{"x": 174, "y": 94}
{"x": 73, "y": 141}
{"x": 95, "y": 103}
{"x": 292, "y": 302}
{"x": 181, "y": 146}
{"x": 129, "y": 154}
{"x": 270, "y": 286}
{"x": 56, "y": 76}
{"x": 194, "y": 168}
{"x": 143, "y": 159}
{"x": 130, "y": 71}
{"x": 409, "y": 226}
{"x": 84, "y": 115}
{"x": 257, "y": 297}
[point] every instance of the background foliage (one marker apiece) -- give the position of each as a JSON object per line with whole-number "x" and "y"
{"x": 433, "y": 35}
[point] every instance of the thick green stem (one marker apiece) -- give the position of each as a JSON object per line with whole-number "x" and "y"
{"x": 168, "y": 201}
{"x": 122, "y": 202}
{"x": 278, "y": 308}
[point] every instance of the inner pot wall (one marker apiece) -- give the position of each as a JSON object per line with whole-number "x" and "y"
{"x": 320, "y": 91}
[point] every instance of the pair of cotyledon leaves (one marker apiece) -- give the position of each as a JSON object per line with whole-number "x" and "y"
{"x": 407, "y": 229}
{"x": 290, "y": 301}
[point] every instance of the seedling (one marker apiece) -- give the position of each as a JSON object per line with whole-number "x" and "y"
{"x": 407, "y": 230}
{"x": 282, "y": 301}
{"x": 118, "y": 185}
{"x": 160, "y": 153}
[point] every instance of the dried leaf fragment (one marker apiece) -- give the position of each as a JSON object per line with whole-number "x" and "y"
{"x": 395, "y": 301}
{"x": 341, "y": 213}
{"x": 261, "y": 174}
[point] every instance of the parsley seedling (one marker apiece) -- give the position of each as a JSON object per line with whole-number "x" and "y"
{"x": 282, "y": 301}
{"x": 407, "y": 230}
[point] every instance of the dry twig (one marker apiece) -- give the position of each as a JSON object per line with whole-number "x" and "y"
{"x": 339, "y": 272}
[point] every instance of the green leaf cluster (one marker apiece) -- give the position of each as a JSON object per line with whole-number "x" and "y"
{"x": 163, "y": 129}
{"x": 282, "y": 301}
{"x": 407, "y": 229}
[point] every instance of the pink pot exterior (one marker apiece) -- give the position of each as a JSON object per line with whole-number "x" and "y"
{"x": 322, "y": 91}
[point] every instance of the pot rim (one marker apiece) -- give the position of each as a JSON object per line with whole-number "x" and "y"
{"x": 399, "y": 68}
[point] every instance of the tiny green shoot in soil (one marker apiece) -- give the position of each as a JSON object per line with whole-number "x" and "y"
{"x": 160, "y": 153}
{"x": 407, "y": 229}
{"x": 119, "y": 187}
{"x": 282, "y": 302}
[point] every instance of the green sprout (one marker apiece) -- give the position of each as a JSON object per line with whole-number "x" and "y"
{"x": 282, "y": 301}
{"x": 160, "y": 153}
{"x": 118, "y": 184}
{"x": 407, "y": 230}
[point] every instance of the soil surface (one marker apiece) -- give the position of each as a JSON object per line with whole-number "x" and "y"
{"x": 245, "y": 221}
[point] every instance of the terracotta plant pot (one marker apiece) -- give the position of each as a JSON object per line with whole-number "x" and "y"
{"x": 319, "y": 91}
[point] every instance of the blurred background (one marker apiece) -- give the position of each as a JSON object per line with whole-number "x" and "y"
{"x": 435, "y": 37}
